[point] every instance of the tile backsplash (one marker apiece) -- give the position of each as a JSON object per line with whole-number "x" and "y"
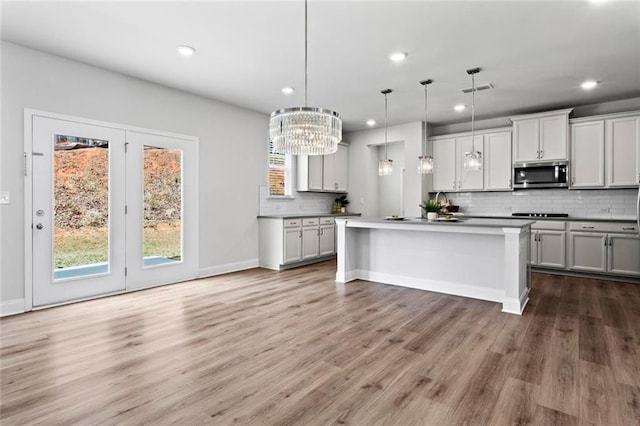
{"x": 587, "y": 203}
{"x": 302, "y": 202}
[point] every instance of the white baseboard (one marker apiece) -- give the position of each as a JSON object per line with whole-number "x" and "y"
{"x": 228, "y": 267}
{"x": 516, "y": 306}
{"x": 454, "y": 289}
{"x": 11, "y": 307}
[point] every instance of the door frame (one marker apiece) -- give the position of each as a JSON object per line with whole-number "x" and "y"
{"x": 29, "y": 113}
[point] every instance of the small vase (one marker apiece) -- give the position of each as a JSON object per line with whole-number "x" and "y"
{"x": 343, "y": 209}
{"x": 432, "y": 216}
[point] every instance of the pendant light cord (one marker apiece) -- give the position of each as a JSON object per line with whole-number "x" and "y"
{"x": 424, "y": 148}
{"x": 306, "y": 66}
{"x": 473, "y": 111}
{"x": 385, "y": 126}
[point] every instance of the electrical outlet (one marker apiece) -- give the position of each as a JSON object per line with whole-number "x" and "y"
{"x": 605, "y": 210}
{"x": 4, "y": 197}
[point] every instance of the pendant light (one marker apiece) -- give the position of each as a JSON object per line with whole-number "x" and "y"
{"x": 473, "y": 159}
{"x": 305, "y": 130}
{"x": 425, "y": 162}
{"x": 385, "y": 167}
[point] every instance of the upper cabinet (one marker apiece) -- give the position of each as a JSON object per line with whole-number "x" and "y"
{"x": 605, "y": 152}
{"x": 448, "y": 162}
{"x": 541, "y": 137}
{"x": 323, "y": 173}
{"x": 622, "y": 142}
{"x": 497, "y": 161}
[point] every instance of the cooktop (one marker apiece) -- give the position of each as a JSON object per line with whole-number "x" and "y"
{"x": 540, "y": 214}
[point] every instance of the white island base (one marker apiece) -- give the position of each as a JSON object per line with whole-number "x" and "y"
{"x": 478, "y": 258}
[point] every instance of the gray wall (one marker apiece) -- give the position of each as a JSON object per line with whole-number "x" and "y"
{"x": 232, "y": 162}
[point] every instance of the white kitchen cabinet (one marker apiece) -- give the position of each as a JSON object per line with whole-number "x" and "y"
{"x": 334, "y": 176}
{"x": 603, "y": 247}
{"x": 444, "y": 165}
{"x": 623, "y": 151}
{"x": 548, "y": 244}
{"x": 624, "y": 254}
{"x": 310, "y": 238}
{"x": 323, "y": 173}
{"x": 471, "y": 180}
{"x": 292, "y": 245}
{"x": 327, "y": 237}
{"x": 587, "y": 154}
{"x": 497, "y": 161}
{"x": 541, "y": 137}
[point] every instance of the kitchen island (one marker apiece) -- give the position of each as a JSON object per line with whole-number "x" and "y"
{"x": 479, "y": 258}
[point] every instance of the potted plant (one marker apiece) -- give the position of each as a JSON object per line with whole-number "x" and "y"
{"x": 340, "y": 204}
{"x": 431, "y": 207}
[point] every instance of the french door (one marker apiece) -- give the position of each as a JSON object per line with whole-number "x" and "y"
{"x": 113, "y": 209}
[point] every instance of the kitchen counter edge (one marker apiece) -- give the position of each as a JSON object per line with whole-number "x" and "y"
{"x": 294, "y": 216}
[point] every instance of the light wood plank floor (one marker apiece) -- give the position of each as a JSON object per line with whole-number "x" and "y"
{"x": 262, "y": 347}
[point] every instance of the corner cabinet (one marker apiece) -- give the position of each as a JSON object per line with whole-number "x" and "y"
{"x": 289, "y": 242}
{"x": 323, "y": 173}
{"x": 605, "y": 151}
{"x": 541, "y": 137}
{"x": 448, "y": 161}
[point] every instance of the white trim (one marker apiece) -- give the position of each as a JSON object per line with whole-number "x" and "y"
{"x": 516, "y": 306}
{"x": 228, "y": 267}
{"x": 29, "y": 113}
{"x": 447, "y": 287}
{"x": 12, "y": 307}
{"x": 477, "y": 133}
{"x": 541, "y": 114}
{"x": 600, "y": 117}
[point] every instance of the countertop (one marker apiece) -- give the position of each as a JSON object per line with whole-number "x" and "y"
{"x": 570, "y": 218}
{"x": 303, "y": 215}
{"x": 461, "y": 222}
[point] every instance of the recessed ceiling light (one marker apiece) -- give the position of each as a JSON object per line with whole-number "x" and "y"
{"x": 371, "y": 122}
{"x": 398, "y": 56}
{"x": 288, "y": 90}
{"x": 589, "y": 84}
{"x": 186, "y": 50}
{"x": 460, "y": 108}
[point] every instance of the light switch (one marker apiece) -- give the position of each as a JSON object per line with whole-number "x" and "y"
{"x": 4, "y": 197}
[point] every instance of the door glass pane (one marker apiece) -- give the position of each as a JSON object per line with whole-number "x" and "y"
{"x": 81, "y": 206}
{"x": 162, "y": 206}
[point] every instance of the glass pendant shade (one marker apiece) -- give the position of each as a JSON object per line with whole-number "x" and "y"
{"x": 305, "y": 131}
{"x": 472, "y": 161}
{"x": 425, "y": 164}
{"x": 385, "y": 167}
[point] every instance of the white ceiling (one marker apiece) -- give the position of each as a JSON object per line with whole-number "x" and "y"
{"x": 535, "y": 53}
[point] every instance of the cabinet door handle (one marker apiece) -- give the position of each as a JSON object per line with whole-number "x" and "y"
{"x": 628, "y": 228}
{"x": 587, "y": 227}
{"x": 509, "y": 184}
{"x": 321, "y": 231}
{"x": 300, "y": 235}
{"x": 541, "y": 154}
{"x": 573, "y": 180}
{"x": 538, "y": 154}
{"x": 454, "y": 184}
{"x": 606, "y": 243}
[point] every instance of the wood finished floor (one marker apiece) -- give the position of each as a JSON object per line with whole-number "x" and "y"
{"x": 262, "y": 347}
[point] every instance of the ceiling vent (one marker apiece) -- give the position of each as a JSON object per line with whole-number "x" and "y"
{"x": 479, "y": 87}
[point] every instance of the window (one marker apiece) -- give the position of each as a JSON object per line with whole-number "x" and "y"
{"x": 279, "y": 173}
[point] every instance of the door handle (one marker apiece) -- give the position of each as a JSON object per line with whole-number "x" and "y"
{"x": 587, "y": 227}
{"x": 300, "y": 235}
{"x": 628, "y": 228}
{"x": 39, "y": 226}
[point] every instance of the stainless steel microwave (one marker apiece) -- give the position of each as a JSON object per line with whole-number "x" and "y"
{"x": 541, "y": 175}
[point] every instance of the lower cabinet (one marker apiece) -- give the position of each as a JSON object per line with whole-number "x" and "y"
{"x": 285, "y": 242}
{"x": 604, "y": 248}
{"x": 548, "y": 245}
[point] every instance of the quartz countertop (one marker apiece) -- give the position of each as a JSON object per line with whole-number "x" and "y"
{"x": 456, "y": 222}
{"x": 303, "y": 215}
{"x": 569, "y": 218}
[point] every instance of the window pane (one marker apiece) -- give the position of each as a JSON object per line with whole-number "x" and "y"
{"x": 162, "y": 206}
{"x": 81, "y": 206}
{"x": 279, "y": 171}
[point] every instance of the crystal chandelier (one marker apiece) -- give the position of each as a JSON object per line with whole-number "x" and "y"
{"x": 305, "y": 130}
{"x": 473, "y": 159}
{"x": 385, "y": 167}
{"x": 425, "y": 162}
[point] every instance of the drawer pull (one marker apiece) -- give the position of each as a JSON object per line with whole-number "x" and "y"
{"x": 628, "y": 228}
{"x": 587, "y": 227}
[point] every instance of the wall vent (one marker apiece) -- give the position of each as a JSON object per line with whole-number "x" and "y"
{"x": 479, "y": 87}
